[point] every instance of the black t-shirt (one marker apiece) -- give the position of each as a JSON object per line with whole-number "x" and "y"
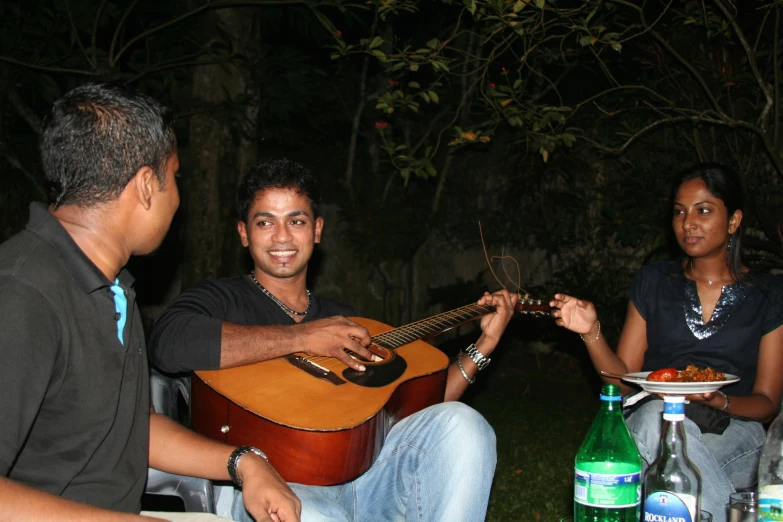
{"x": 74, "y": 414}
{"x": 729, "y": 342}
{"x": 187, "y": 335}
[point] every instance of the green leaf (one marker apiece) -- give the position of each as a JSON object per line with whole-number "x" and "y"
{"x": 434, "y": 96}
{"x": 540, "y": 3}
{"x": 617, "y": 46}
{"x": 519, "y": 6}
{"x": 429, "y": 167}
{"x": 432, "y": 44}
{"x": 471, "y": 5}
{"x": 425, "y": 96}
{"x": 376, "y": 42}
{"x": 414, "y": 85}
{"x": 414, "y": 67}
{"x": 585, "y": 41}
{"x": 379, "y": 54}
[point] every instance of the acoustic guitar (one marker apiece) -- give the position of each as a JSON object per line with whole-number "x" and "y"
{"x": 319, "y": 421}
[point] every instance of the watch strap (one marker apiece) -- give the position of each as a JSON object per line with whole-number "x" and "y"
{"x": 233, "y": 461}
{"x": 476, "y": 356}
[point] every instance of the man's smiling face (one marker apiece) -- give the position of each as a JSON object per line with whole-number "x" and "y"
{"x": 281, "y": 233}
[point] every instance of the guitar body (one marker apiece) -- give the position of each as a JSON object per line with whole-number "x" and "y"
{"x": 312, "y": 430}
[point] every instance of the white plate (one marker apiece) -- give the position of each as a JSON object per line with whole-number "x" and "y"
{"x": 677, "y": 388}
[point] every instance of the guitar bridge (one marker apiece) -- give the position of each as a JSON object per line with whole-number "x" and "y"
{"x": 316, "y": 370}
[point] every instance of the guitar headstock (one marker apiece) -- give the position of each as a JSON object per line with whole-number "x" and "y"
{"x": 527, "y": 306}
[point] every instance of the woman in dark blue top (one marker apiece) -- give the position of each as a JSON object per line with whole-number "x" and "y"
{"x": 707, "y": 309}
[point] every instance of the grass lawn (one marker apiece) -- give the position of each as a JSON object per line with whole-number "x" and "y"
{"x": 541, "y": 407}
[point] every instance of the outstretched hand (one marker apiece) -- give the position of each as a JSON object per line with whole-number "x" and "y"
{"x": 330, "y": 337}
{"x": 574, "y": 314}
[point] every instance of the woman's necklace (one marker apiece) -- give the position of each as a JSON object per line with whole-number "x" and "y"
{"x": 709, "y": 281}
{"x": 281, "y": 304}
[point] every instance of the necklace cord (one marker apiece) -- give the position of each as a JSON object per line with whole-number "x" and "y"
{"x": 287, "y": 309}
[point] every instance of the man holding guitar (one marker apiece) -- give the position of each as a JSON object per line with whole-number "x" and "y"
{"x": 436, "y": 464}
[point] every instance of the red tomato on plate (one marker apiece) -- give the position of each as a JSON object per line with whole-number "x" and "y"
{"x": 663, "y": 375}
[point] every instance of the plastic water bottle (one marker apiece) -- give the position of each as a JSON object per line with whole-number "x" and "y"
{"x": 608, "y": 467}
{"x": 672, "y": 484}
{"x": 771, "y": 474}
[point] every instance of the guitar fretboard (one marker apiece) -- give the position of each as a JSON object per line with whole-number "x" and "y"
{"x": 432, "y": 326}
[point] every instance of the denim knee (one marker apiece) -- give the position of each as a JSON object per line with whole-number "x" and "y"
{"x": 465, "y": 427}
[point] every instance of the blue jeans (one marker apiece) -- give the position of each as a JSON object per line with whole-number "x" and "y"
{"x": 435, "y": 465}
{"x": 725, "y": 462}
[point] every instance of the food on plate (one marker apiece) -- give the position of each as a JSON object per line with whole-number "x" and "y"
{"x": 663, "y": 375}
{"x": 690, "y": 374}
{"x": 694, "y": 374}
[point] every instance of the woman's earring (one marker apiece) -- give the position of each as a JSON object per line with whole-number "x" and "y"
{"x": 731, "y": 242}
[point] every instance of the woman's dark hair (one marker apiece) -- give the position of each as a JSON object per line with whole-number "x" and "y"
{"x": 97, "y": 137}
{"x": 724, "y": 184}
{"x": 277, "y": 173}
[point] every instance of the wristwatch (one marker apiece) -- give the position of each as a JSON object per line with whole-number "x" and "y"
{"x": 481, "y": 361}
{"x": 233, "y": 461}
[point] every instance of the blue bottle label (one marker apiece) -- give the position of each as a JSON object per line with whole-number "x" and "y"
{"x": 771, "y": 503}
{"x": 665, "y": 506}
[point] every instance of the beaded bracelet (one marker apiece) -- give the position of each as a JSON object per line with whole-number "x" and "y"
{"x": 597, "y": 335}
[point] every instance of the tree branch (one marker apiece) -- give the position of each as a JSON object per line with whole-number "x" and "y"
{"x": 207, "y": 5}
{"x": 117, "y": 31}
{"x": 685, "y": 63}
{"x": 28, "y": 115}
{"x": 75, "y": 31}
{"x": 751, "y": 61}
{"x": 696, "y": 119}
{"x": 94, "y": 36}
{"x": 46, "y": 68}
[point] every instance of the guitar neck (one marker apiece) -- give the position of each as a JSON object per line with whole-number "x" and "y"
{"x": 437, "y": 324}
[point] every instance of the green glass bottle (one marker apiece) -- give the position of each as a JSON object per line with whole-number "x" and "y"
{"x": 608, "y": 467}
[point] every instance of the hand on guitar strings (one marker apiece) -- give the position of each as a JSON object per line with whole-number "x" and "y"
{"x": 331, "y": 337}
{"x": 493, "y": 325}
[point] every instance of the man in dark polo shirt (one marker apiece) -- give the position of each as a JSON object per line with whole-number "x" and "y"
{"x": 77, "y": 433}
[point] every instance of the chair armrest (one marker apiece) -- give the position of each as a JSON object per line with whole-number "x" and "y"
{"x": 196, "y": 493}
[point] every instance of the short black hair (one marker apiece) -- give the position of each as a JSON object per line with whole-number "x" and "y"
{"x": 97, "y": 137}
{"x": 280, "y": 173}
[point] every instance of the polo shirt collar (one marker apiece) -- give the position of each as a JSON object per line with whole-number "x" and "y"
{"x": 84, "y": 271}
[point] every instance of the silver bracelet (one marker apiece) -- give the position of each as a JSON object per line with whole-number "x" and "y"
{"x": 728, "y": 401}
{"x": 462, "y": 370}
{"x": 477, "y": 357}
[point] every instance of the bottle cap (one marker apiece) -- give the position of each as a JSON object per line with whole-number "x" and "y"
{"x": 674, "y": 407}
{"x": 674, "y": 398}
